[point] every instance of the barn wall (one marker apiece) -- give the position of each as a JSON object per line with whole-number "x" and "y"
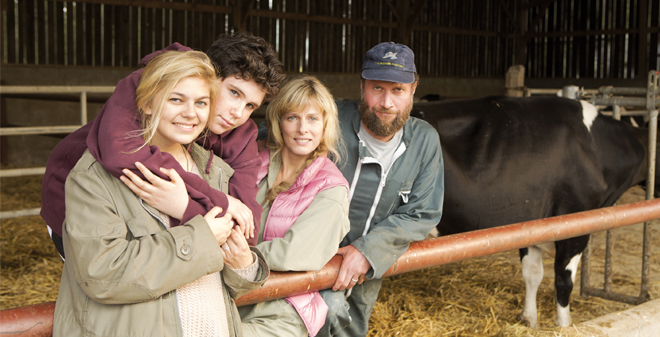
{"x": 463, "y": 47}
{"x": 31, "y": 112}
{"x": 28, "y": 151}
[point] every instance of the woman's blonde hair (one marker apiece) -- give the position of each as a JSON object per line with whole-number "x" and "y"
{"x": 159, "y": 78}
{"x": 296, "y": 95}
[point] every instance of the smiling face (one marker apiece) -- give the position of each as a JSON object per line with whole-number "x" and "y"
{"x": 302, "y": 132}
{"x": 385, "y": 107}
{"x": 184, "y": 114}
{"x": 237, "y": 100}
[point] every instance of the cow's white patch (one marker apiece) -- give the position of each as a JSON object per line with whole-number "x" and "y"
{"x": 532, "y": 271}
{"x": 573, "y": 264}
{"x": 589, "y": 114}
{"x": 564, "y": 313}
{"x": 563, "y": 316}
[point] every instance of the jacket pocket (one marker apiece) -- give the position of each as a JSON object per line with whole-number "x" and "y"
{"x": 152, "y": 318}
{"x": 402, "y": 195}
{"x": 404, "y": 191}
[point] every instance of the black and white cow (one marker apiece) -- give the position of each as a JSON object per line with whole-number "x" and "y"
{"x": 509, "y": 160}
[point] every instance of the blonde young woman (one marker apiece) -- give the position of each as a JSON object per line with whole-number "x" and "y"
{"x": 127, "y": 271}
{"x": 305, "y": 201}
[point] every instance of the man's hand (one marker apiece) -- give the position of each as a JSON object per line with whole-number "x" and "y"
{"x": 169, "y": 197}
{"x": 242, "y": 215}
{"x": 353, "y": 268}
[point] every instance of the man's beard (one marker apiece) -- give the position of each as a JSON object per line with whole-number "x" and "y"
{"x": 377, "y": 126}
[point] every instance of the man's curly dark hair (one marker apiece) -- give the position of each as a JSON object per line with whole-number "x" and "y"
{"x": 248, "y": 57}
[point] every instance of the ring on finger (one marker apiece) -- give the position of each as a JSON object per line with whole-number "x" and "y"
{"x": 354, "y": 280}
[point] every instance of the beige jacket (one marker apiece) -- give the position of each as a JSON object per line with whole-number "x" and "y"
{"x": 123, "y": 265}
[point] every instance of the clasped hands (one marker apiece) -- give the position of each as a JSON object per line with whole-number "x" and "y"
{"x": 171, "y": 198}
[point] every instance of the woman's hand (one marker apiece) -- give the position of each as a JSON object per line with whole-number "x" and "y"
{"x": 221, "y": 227}
{"x": 169, "y": 197}
{"x": 236, "y": 251}
{"x": 243, "y": 216}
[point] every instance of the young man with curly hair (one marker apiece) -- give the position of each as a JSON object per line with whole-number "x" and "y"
{"x": 251, "y": 74}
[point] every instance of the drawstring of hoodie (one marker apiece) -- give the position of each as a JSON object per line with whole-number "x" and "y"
{"x": 208, "y": 165}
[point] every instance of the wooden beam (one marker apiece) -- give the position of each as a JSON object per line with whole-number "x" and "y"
{"x": 417, "y": 11}
{"x": 394, "y": 10}
{"x": 241, "y": 13}
{"x": 509, "y": 16}
{"x": 592, "y": 32}
{"x": 521, "y": 44}
{"x": 321, "y": 18}
{"x": 641, "y": 39}
{"x": 530, "y": 30}
{"x": 533, "y": 3}
{"x": 402, "y": 32}
{"x": 158, "y": 4}
{"x": 458, "y": 31}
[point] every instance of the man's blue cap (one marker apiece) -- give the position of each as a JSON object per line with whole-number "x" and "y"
{"x": 389, "y": 61}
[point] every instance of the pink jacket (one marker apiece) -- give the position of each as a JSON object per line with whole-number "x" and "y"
{"x": 320, "y": 175}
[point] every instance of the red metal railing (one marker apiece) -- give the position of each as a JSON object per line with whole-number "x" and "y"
{"x": 37, "y": 320}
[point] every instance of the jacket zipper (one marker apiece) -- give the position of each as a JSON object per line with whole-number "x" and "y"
{"x": 383, "y": 179}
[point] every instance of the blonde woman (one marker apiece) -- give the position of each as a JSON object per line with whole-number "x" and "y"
{"x": 127, "y": 271}
{"x": 305, "y": 201}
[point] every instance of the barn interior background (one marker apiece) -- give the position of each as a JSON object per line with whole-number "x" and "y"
{"x": 463, "y": 49}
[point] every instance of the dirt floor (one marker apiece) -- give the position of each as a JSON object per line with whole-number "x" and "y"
{"x": 478, "y": 297}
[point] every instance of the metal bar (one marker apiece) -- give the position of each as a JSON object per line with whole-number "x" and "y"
{"x": 627, "y": 101}
{"x": 83, "y": 108}
{"x": 623, "y": 298}
{"x": 38, "y": 130}
{"x": 555, "y": 91}
{"x": 544, "y": 91}
{"x": 47, "y": 89}
{"x": 458, "y": 247}
{"x": 626, "y": 112}
{"x": 33, "y": 320}
{"x": 34, "y": 171}
{"x": 29, "y": 321}
{"x": 585, "y": 269}
{"x": 607, "y": 274}
{"x": 610, "y": 90}
{"x": 653, "y": 84}
{"x": 646, "y": 262}
{"x": 616, "y": 112}
{"x": 19, "y": 213}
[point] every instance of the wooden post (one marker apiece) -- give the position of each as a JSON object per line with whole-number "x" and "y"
{"x": 241, "y": 10}
{"x": 521, "y": 41}
{"x": 642, "y": 52}
{"x": 515, "y": 81}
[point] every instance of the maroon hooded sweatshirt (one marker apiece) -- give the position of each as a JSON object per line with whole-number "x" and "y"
{"x": 110, "y": 138}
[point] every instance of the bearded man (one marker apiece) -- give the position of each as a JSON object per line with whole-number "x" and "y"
{"x": 395, "y": 170}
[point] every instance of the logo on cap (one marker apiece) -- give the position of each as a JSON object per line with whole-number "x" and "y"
{"x": 390, "y": 55}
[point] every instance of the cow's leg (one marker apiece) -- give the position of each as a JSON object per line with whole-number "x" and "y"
{"x": 532, "y": 271}
{"x": 566, "y": 263}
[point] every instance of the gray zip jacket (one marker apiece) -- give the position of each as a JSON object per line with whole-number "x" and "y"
{"x": 391, "y": 208}
{"x": 123, "y": 265}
